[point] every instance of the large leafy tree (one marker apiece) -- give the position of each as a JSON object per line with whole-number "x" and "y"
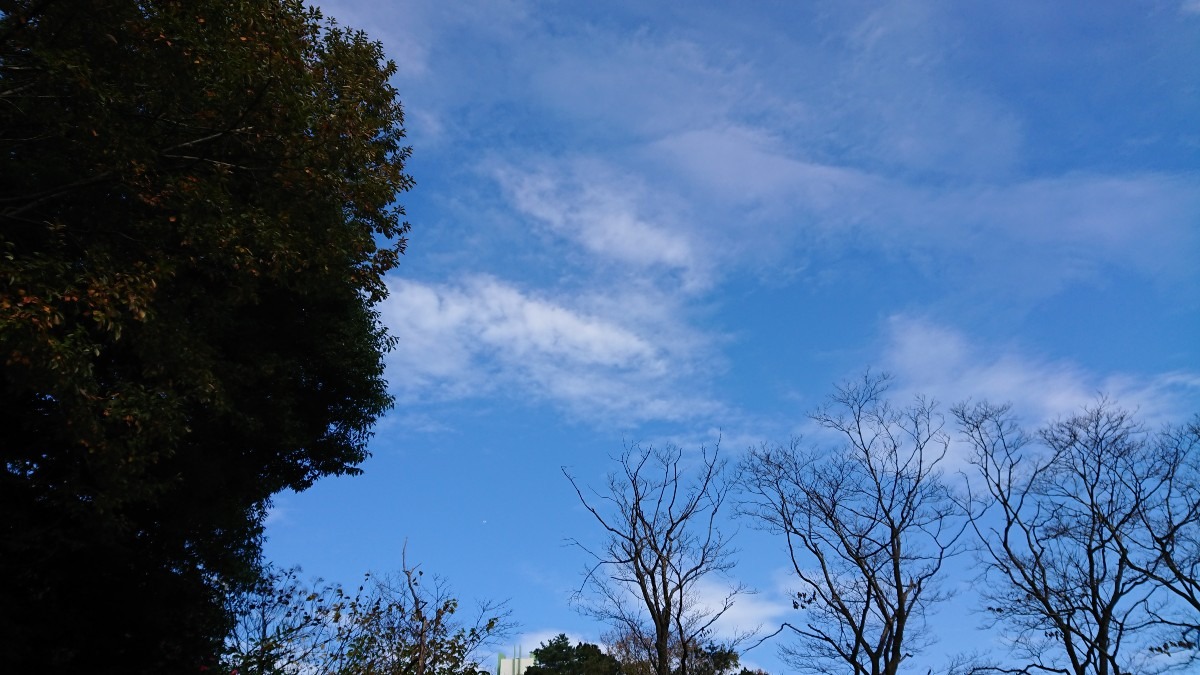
{"x": 196, "y": 214}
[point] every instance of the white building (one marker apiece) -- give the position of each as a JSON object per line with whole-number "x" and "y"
{"x": 517, "y": 666}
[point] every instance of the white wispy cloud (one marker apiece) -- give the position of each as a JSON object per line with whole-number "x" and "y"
{"x": 484, "y": 337}
{"x": 694, "y": 161}
{"x": 701, "y": 157}
{"x": 1060, "y": 229}
{"x": 896, "y": 90}
{"x": 642, "y": 83}
{"x": 750, "y": 612}
{"x": 741, "y": 164}
{"x": 608, "y": 214}
{"x": 942, "y": 362}
{"x": 527, "y": 641}
{"x": 1032, "y": 237}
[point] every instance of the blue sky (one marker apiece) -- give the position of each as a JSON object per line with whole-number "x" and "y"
{"x": 683, "y": 222}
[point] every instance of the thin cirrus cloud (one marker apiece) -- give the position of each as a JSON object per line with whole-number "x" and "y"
{"x": 730, "y": 198}
{"x": 738, "y": 164}
{"x": 1036, "y": 234}
{"x": 640, "y": 84}
{"x": 482, "y": 337}
{"x": 940, "y": 361}
{"x": 716, "y": 156}
{"x": 684, "y": 159}
{"x": 750, "y": 613}
{"x": 604, "y": 213}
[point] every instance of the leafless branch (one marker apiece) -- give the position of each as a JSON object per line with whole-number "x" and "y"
{"x": 662, "y": 539}
{"x": 868, "y": 525}
{"x": 1060, "y": 524}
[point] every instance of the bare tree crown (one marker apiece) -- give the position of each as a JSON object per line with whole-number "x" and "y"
{"x": 1086, "y": 533}
{"x": 868, "y": 523}
{"x": 662, "y": 538}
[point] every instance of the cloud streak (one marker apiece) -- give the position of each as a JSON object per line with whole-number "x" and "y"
{"x": 940, "y": 361}
{"x": 486, "y": 337}
{"x": 604, "y": 213}
{"x": 1037, "y": 234}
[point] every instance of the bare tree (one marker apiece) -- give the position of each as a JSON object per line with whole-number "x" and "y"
{"x": 662, "y": 540}
{"x": 1059, "y": 524}
{"x": 868, "y": 524}
{"x": 407, "y": 624}
{"x": 403, "y": 623}
{"x": 278, "y": 627}
{"x": 1167, "y": 546}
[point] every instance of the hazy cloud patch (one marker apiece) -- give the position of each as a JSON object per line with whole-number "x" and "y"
{"x": 941, "y": 362}
{"x": 1032, "y": 237}
{"x": 644, "y": 83}
{"x": 750, "y": 611}
{"x": 611, "y": 216}
{"x": 484, "y": 337}
{"x": 738, "y": 164}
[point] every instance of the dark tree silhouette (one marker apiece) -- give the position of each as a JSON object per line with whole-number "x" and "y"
{"x": 197, "y": 207}
{"x": 558, "y": 657}
{"x": 1078, "y": 527}
{"x": 868, "y": 523}
{"x": 662, "y": 540}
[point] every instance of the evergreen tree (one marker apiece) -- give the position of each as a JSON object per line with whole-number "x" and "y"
{"x": 557, "y": 657}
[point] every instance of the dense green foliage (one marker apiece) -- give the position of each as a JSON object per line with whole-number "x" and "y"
{"x": 196, "y": 213}
{"x": 557, "y": 657}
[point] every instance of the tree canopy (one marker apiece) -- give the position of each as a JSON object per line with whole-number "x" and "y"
{"x": 196, "y": 213}
{"x": 557, "y": 657}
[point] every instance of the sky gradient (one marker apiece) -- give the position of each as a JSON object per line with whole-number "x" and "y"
{"x": 686, "y": 222}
